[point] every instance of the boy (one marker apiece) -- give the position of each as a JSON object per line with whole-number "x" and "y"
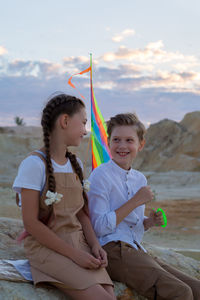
{"x": 117, "y": 200}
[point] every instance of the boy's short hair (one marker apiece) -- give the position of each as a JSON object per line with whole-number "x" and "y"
{"x": 126, "y": 119}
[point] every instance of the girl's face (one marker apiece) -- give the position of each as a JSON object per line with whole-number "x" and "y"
{"x": 75, "y": 128}
{"x": 124, "y": 145}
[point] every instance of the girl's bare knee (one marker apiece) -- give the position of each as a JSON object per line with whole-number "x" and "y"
{"x": 110, "y": 290}
{"x": 100, "y": 292}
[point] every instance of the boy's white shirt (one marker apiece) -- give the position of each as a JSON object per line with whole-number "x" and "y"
{"x": 111, "y": 186}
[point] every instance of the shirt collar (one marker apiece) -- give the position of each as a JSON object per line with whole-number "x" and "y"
{"x": 120, "y": 170}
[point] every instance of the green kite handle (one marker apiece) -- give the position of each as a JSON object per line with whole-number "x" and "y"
{"x": 164, "y": 217}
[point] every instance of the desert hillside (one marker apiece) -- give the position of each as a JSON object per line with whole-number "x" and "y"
{"x": 169, "y": 146}
{"x": 170, "y": 161}
{"x": 172, "y": 146}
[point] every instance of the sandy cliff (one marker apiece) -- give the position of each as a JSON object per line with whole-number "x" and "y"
{"x": 172, "y": 146}
{"x": 169, "y": 146}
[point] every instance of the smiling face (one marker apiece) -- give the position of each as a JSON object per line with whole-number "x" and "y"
{"x": 75, "y": 128}
{"x": 124, "y": 145}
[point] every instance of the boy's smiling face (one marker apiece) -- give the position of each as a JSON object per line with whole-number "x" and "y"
{"x": 124, "y": 145}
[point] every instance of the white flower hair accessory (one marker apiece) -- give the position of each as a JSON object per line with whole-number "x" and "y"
{"x": 52, "y": 198}
{"x": 86, "y": 185}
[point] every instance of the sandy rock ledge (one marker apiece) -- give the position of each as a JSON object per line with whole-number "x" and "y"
{"x": 14, "y": 287}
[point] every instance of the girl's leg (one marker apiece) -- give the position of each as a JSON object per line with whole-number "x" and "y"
{"x": 97, "y": 292}
{"x": 109, "y": 290}
{"x": 193, "y": 283}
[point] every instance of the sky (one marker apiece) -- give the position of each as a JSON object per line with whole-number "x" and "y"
{"x": 146, "y": 56}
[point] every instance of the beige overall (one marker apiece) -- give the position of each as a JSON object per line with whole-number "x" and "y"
{"x": 50, "y": 266}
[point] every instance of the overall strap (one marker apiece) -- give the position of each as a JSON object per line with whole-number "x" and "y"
{"x": 73, "y": 169}
{"x": 40, "y": 154}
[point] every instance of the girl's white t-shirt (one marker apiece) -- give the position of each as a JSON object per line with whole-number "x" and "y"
{"x": 32, "y": 173}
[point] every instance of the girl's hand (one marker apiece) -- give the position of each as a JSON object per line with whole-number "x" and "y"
{"x": 100, "y": 254}
{"x": 85, "y": 260}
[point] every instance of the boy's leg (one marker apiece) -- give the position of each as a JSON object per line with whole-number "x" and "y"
{"x": 141, "y": 272}
{"x": 192, "y": 282}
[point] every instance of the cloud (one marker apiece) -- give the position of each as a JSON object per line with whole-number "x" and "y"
{"x": 168, "y": 81}
{"x": 124, "y": 34}
{"x": 186, "y": 65}
{"x": 155, "y": 45}
{"x": 77, "y": 64}
{"x": 3, "y": 50}
{"x": 142, "y": 80}
{"x": 153, "y": 53}
{"x": 76, "y": 60}
{"x": 149, "y": 97}
{"x": 42, "y": 68}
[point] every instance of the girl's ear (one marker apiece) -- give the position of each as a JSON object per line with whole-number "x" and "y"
{"x": 63, "y": 120}
{"x": 142, "y": 143}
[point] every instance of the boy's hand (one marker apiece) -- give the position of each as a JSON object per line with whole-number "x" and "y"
{"x": 155, "y": 218}
{"x": 144, "y": 195}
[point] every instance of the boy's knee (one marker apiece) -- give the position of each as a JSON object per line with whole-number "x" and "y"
{"x": 184, "y": 292}
{"x": 169, "y": 287}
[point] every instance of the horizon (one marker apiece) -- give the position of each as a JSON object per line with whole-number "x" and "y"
{"x": 89, "y": 128}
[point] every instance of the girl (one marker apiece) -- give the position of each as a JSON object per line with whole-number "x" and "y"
{"x": 116, "y": 201}
{"x": 60, "y": 242}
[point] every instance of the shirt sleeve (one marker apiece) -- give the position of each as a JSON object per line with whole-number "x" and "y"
{"x": 31, "y": 175}
{"x": 102, "y": 217}
{"x": 138, "y": 213}
{"x": 144, "y": 183}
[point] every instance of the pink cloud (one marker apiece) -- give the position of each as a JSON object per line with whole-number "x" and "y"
{"x": 124, "y": 34}
{"x": 3, "y": 50}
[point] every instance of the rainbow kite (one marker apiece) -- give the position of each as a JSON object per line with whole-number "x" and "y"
{"x": 100, "y": 150}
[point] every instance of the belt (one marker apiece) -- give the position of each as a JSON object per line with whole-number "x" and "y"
{"x": 135, "y": 242}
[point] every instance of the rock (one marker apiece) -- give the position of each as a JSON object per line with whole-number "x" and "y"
{"x": 10, "y": 229}
{"x": 169, "y": 146}
{"x": 172, "y": 146}
{"x": 185, "y": 264}
{"x": 16, "y": 288}
{"x": 25, "y": 291}
{"x": 191, "y": 121}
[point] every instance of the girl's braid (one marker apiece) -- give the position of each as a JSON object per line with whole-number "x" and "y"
{"x": 51, "y": 179}
{"x": 47, "y": 123}
{"x": 59, "y": 104}
{"x": 78, "y": 170}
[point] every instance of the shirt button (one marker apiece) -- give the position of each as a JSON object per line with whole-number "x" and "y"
{"x": 128, "y": 193}
{"x": 131, "y": 226}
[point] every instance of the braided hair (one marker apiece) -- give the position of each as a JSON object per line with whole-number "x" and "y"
{"x": 78, "y": 170}
{"x": 56, "y": 106}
